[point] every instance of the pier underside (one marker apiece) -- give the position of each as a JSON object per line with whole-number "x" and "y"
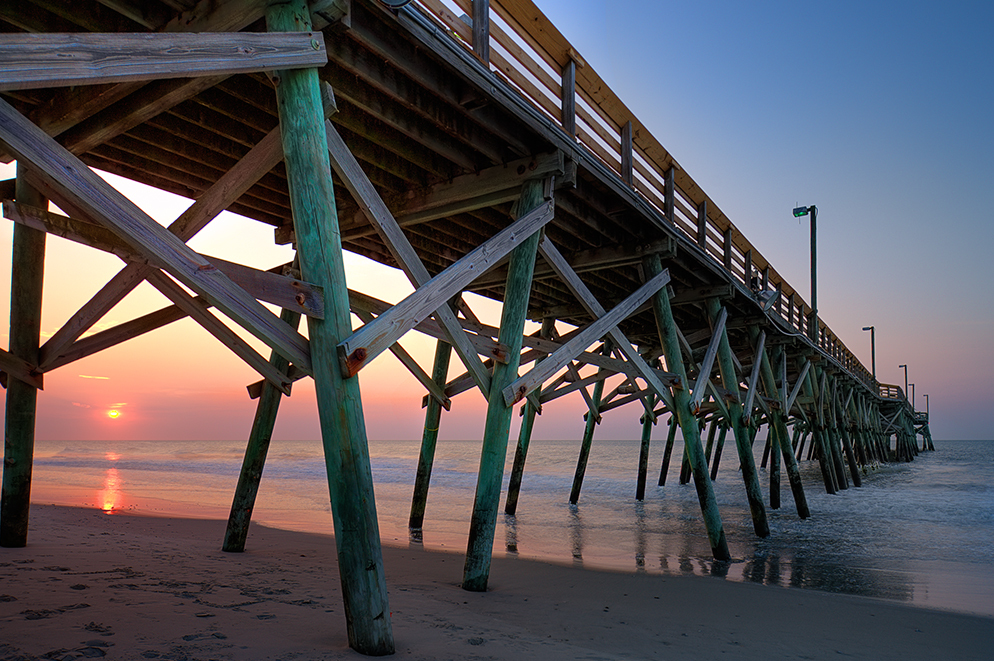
{"x": 476, "y": 153}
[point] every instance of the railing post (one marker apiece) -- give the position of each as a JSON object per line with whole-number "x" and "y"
{"x": 727, "y": 248}
{"x": 626, "y": 154}
{"x": 481, "y": 30}
{"x": 669, "y": 202}
{"x": 568, "y": 99}
{"x": 702, "y": 225}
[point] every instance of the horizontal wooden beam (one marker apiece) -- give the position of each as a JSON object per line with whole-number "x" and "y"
{"x": 33, "y": 61}
{"x": 20, "y": 369}
{"x": 71, "y": 178}
{"x": 372, "y": 339}
{"x": 267, "y": 286}
{"x": 586, "y": 261}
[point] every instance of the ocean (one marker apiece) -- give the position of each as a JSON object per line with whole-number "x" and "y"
{"x": 919, "y": 532}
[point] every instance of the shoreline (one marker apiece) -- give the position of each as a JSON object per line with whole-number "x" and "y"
{"x": 140, "y": 586}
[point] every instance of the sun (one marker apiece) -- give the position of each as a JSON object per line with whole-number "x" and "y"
{"x": 113, "y": 414}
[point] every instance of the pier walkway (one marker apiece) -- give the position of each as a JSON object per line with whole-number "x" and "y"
{"x": 464, "y": 142}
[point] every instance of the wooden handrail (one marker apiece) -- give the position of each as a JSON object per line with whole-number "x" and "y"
{"x": 530, "y": 53}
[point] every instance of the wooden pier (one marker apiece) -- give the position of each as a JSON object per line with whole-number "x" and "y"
{"x": 466, "y": 143}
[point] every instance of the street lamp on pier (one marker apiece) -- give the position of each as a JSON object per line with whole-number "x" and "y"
{"x": 905, "y": 379}
{"x": 800, "y": 212}
{"x": 873, "y": 349}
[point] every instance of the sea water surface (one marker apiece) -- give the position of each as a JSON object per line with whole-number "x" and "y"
{"x": 919, "y": 532}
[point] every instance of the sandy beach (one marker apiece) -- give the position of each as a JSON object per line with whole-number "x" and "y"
{"x": 91, "y": 585}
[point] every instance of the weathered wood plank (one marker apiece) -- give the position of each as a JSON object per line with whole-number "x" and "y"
{"x": 412, "y": 366}
{"x": 30, "y": 61}
{"x": 754, "y": 376}
{"x": 372, "y": 339}
{"x": 386, "y": 226}
{"x": 21, "y": 369}
{"x": 705, "y": 372}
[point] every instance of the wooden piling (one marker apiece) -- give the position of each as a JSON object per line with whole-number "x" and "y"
{"x": 688, "y": 422}
{"x": 747, "y": 462}
{"x": 524, "y": 437}
{"x": 429, "y": 438}
{"x": 588, "y": 434}
{"x": 648, "y": 421}
{"x": 254, "y": 461}
{"x": 343, "y": 431}
{"x": 722, "y": 433}
{"x": 668, "y": 452}
{"x": 774, "y": 470}
{"x": 27, "y": 275}
{"x": 476, "y": 571}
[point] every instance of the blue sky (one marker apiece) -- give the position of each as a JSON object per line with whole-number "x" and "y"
{"x": 880, "y": 114}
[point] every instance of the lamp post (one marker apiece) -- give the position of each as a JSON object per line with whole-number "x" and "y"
{"x": 873, "y": 349}
{"x": 926, "y": 406}
{"x": 905, "y": 379}
{"x": 912, "y": 386}
{"x": 798, "y": 213}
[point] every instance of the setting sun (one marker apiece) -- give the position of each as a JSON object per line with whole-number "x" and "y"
{"x": 113, "y": 414}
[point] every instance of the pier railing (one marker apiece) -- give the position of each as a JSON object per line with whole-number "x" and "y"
{"x": 521, "y": 46}
{"x": 888, "y": 391}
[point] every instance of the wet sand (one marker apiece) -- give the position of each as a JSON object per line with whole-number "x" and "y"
{"x": 124, "y": 586}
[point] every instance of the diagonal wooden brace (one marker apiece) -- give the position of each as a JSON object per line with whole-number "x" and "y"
{"x": 73, "y": 179}
{"x": 259, "y": 160}
{"x": 372, "y": 339}
{"x": 596, "y": 310}
{"x": 705, "y": 374}
{"x": 356, "y": 181}
{"x": 590, "y": 334}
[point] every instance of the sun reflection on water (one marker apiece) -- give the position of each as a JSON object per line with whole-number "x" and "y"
{"x": 110, "y": 497}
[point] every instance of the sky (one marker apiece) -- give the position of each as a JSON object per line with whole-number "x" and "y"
{"x": 879, "y": 113}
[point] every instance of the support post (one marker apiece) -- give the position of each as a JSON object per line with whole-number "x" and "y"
{"x": 668, "y": 453}
{"x": 774, "y": 470}
{"x": 343, "y": 429}
{"x": 524, "y": 438}
{"x": 512, "y": 322}
{"x": 426, "y": 458}
{"x": 243, "y": 502}
{"x": 481, "y": 30}
{"x": 730, "y": 380}
{"x": 717, "y": 450}
{"x": 648, "y": 420}
{"x": 667, "y": 330}
{"x": 588, "y": 433}
{"x": 26, "y": 279}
